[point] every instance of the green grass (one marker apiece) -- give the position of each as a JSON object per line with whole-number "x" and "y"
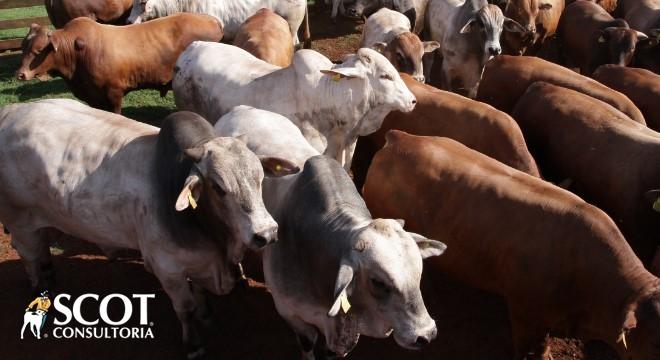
{"x": 19, "y": 13}
{"x": 143, "y": 105}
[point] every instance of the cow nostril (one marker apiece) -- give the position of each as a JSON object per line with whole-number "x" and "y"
{"x": 20, "y": 76}
{"x": 421, "y": 342}
{"x": 259, "y": 241}
{"x": 352, "y": 12}
{"x": 414, "y": 102}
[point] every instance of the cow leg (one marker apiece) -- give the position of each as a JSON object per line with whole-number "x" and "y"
{"x": 335, "y": 8}
{"x": 530, "y": 341}
{"x": 203, "y": 312}
{"x": 177, "y": 288}
{"x": 115, "y": 98}
{"x": 306, "y": 335}
{"x": 33, "y": 248}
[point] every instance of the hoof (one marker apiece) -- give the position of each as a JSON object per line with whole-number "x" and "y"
{"x": 199, "y": 353}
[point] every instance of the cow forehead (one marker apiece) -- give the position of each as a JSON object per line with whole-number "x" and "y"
{"x": 409, "y": 44}
{"x": 491, "y": 16}
{"x": 231, "y": 154}
{"x": 392, "y": 248}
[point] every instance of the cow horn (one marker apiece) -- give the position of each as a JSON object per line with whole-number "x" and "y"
{"x": 622, "y": 338}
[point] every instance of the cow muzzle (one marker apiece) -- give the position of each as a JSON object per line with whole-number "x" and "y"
{"x": 353, "y": 12}
{"x": 263, "y": 238}
{"x": 22, "y": 75}
{"x": 419, "y": 339}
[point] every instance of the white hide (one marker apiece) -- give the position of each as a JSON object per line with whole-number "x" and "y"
{"x": 330, "y": 109}
{"x": 268, "y": 134}
{"x": 231, "y": 13}
{"x": 383, "y": 26}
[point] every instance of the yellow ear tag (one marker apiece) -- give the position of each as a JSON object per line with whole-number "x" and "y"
{"x": 192, "y": 201}
{"x": 336, "y": 77}
{"x": 622, "y": 338}
{"x": 656, "y": 205}
{"x": 345, "y": 305}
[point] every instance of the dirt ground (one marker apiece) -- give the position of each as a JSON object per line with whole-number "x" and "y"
{"x": 471, "y": 324}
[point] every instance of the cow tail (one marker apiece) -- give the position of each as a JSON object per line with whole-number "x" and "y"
{"x": 307, "y": 38}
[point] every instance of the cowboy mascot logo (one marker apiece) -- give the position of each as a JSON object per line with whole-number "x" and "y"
{"x": 37, "y": 318}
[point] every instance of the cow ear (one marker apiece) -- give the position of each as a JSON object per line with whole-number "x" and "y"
{"x": 79, "y": 44}
{"x": 653, "y": 197}
{"x": 379, "y": 46}
{"x": 344, "y": 278}
{"x": 34, "y": 27}
{"x": 189, "y": 195}
{"x": 467, "y": 28}
{"x": 343, "y": 73}
{"x": 275, "y": 167}
{"x": 430, "y": 46}
{"x": 401, "y": 222}
{"x": 641, "y": 36}
{"x": 428, "y": 247}
{"x": 242, "y": 138}
{"x": 195, "y": 153}
{"x": 546, "y": 6}
{"x": 511, "y": 25}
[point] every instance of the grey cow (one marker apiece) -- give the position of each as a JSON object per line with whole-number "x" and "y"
{"x": 188, "y": 200}
{"x": 335, "y": 270}
{"x": 469, "y": 34}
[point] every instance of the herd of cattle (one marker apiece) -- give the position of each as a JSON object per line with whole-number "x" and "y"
{"x": 541, "y": 184}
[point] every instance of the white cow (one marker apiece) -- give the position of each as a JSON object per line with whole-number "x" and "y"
{"x": 231, "y": 13}
{"x": 188, "y": 200}
{"x": 331, "y": 104}
{"x": 335, "y": 271}
{"x": 34, "y": 319}
{"x": 389, "y": 32}
{"x": 469, "y": 34}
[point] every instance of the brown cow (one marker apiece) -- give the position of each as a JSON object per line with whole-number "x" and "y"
{"x": 60, "y": 12}
{"x": 529, "y": 14}
{"x": 560, "y": 263}
{"x": 442, "y": 113}
{"x": 101, "y": 63}
{"x": 608, "y": 5}
{"x": 644, "y": 15}
{"x": 590, "y": 37}
{"x": 641, "y": 86}
{"x": 506, "y": 78}
{"x": 266, "y": 35}
{"x": 612, "y": 162}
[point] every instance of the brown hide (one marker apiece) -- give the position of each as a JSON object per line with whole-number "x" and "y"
{"x": 267, "y": 36}
{"x": 442, "y": 113}
{"x": 506, "y": 78}
{"x": 609, "y": 160}
{"x": 639, "y": 85}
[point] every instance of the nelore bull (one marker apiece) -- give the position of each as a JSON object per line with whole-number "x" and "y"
{"x": 335, "y": 271}
{"x": 331, "y": 104}
{"x": 561, "y": 264}
{"x": 188, "y": 200}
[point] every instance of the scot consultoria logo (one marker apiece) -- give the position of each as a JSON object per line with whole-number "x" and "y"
{"x": 69, "y": 321}
{"x": 36, "y": 319}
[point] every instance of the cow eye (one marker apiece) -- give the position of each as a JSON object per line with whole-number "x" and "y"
{"x": 386, "y": 77}
{"x": 220, "y": 191}
{"x": 481, "y": 25}
{"x": 380, "y": 286}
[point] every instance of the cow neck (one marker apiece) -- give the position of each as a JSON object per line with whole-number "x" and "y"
{"x": 65, "y": 57}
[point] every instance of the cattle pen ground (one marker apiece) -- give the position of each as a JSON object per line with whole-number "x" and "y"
{"x": 471, "y": 324}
